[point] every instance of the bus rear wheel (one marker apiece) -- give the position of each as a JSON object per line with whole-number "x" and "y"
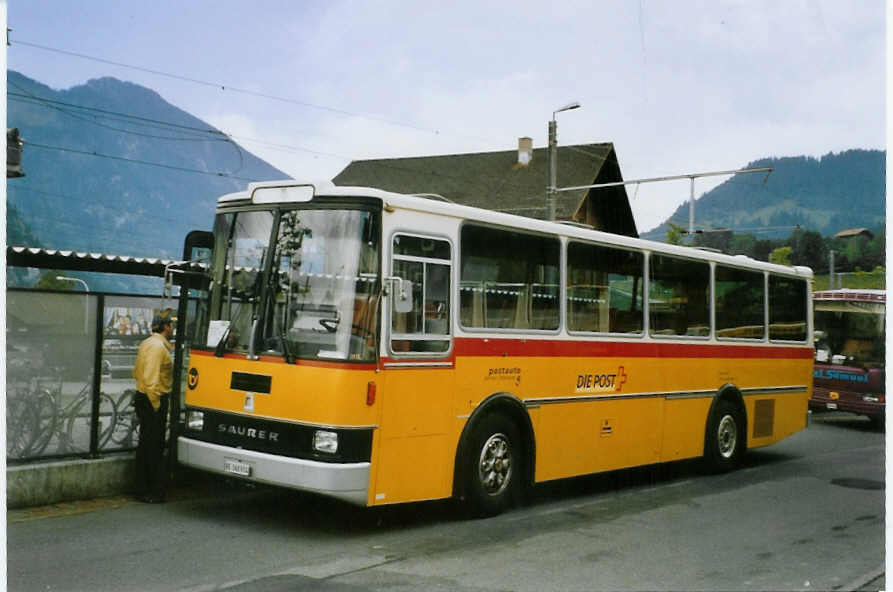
{"x": 725, "y": 440}
{"x": 493, "y": 466}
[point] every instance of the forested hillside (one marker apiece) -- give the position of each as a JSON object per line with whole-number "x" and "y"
{"x": 827, "y": 195}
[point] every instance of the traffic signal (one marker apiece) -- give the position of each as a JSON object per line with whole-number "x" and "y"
{"x": 13, "y": 153}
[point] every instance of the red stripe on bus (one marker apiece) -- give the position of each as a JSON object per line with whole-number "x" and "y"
{"x": 554, "y": 348}
{"x": 465, "y": 346}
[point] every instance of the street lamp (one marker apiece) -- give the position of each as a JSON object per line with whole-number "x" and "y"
{"x": 553, "y": 160}
{"x": 63, "y": 278}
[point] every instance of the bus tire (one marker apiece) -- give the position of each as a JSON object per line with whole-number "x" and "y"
{"x": 725, "y": 440}
{"x": 492, "y": 466}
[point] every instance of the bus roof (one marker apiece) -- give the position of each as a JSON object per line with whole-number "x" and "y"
{"x": 291, "y": 191}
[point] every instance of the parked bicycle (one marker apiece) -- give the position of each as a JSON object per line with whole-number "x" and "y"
{"x": 43, "y": 414}
{"x": 126, "y": 431}
{"x": 22, "y": 424}
{"x": 25, "y": 394}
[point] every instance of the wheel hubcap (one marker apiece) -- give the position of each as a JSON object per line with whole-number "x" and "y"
{"x": 495, "y": 466}
{"x": 727, "y": 435}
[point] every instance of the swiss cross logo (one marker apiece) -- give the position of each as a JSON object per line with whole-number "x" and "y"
{"x": 621, "y": 379}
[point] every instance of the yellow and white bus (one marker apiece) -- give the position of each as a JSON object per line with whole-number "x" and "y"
{"x": 384, "y": 348}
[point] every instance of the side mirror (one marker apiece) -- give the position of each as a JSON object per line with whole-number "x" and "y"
{"x": 403, "y": 297}
{"x": 401, "y": 291}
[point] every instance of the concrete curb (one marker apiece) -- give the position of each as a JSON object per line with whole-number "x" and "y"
{"x": 39, "y": 484}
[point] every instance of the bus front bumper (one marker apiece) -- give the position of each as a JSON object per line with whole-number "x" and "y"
{"x": 348, "y": 482}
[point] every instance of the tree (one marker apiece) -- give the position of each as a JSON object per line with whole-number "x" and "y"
{"x": 874, "y": 254}
{"x": 854, "y": 249}
{"x": 48, "y": 281}
{"x": 743, "y": 244}
{"x": 675, "y": 234}
{"x": 781, "y": 256}
{"x": 808, "y": 248}
{"x": 763, "y": 248}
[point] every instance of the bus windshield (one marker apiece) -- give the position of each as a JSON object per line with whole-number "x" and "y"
{"x": 315, "y": 297}
{"x": 850, "y": 333}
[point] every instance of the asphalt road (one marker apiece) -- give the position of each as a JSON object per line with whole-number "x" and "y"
{"x": 805, "y": 514}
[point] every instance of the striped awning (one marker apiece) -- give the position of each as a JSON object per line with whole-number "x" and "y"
{"x": 75, "y": 261}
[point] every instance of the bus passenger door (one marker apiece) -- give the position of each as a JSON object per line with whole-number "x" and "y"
{"x": 414, "y": 460}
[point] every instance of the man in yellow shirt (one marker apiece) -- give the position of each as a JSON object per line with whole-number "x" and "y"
{"x": 153, "y": 372}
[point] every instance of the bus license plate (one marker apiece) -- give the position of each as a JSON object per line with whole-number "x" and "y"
{"x": 831, "y": 405}
{"x": 236, "y": 468}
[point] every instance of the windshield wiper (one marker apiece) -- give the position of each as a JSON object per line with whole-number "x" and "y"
{"x": 286, "y": 353}
{"x": 220, "y": 348}
{"x": 221, "y": 345}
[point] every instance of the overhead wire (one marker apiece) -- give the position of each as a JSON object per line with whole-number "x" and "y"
{"x": 34, "y": 100}
{"x": 147, "y": 121}
{"x": 27, "y": 96}
{"x": 222, "y": 86}
{"x": 377, "y": 162}
{"x": 285, "y": 147}
{"x": 225, "y": 87}
{"x": 138, "y": 161}
{"x": 65, "y": 111}
{"x": 229, "y": 88}
{"x": 223, "y": 136}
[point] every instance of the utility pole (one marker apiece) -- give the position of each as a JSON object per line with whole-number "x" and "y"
{"x": 831, "y": 270}
{"x": 552, "y": 190}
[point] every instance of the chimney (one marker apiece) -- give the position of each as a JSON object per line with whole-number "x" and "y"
{"x": 525, "y": 151}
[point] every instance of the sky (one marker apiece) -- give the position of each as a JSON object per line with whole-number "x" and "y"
{"x": 678, "y": 86}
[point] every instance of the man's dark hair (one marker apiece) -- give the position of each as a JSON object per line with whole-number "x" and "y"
{"x": 160, "y": 320}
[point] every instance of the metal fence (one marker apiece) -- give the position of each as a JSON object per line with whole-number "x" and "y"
{"x": 69, "y": 363}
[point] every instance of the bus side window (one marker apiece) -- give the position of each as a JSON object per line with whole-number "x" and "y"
{"x": 787, "y": 308}
{"x": 509, "y": 279}
{"x": 679, "y": 296}
{"x": 603, "y": 289}
{"x": 740, "y": 303}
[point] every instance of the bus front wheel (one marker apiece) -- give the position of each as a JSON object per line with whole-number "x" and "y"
{"x": 725, "y": 441}
{"x": 493, "y": 466}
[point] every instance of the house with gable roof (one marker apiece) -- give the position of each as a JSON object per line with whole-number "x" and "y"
{"x": 510, "y": 181}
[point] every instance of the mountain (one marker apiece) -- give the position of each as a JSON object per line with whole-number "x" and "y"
{"x": 828, "y": 194}
{"x": 111, "y": 167}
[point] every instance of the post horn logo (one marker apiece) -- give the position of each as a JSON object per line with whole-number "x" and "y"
{"x": 192, "y": 378}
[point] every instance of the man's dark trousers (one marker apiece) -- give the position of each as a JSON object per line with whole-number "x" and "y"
{"x": 150, "y": 474}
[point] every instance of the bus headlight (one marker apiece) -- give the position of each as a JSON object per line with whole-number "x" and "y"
{"x": 195, "y": 420}
{"x": 325, "y": 441}
{"x": 873, "y": 398}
